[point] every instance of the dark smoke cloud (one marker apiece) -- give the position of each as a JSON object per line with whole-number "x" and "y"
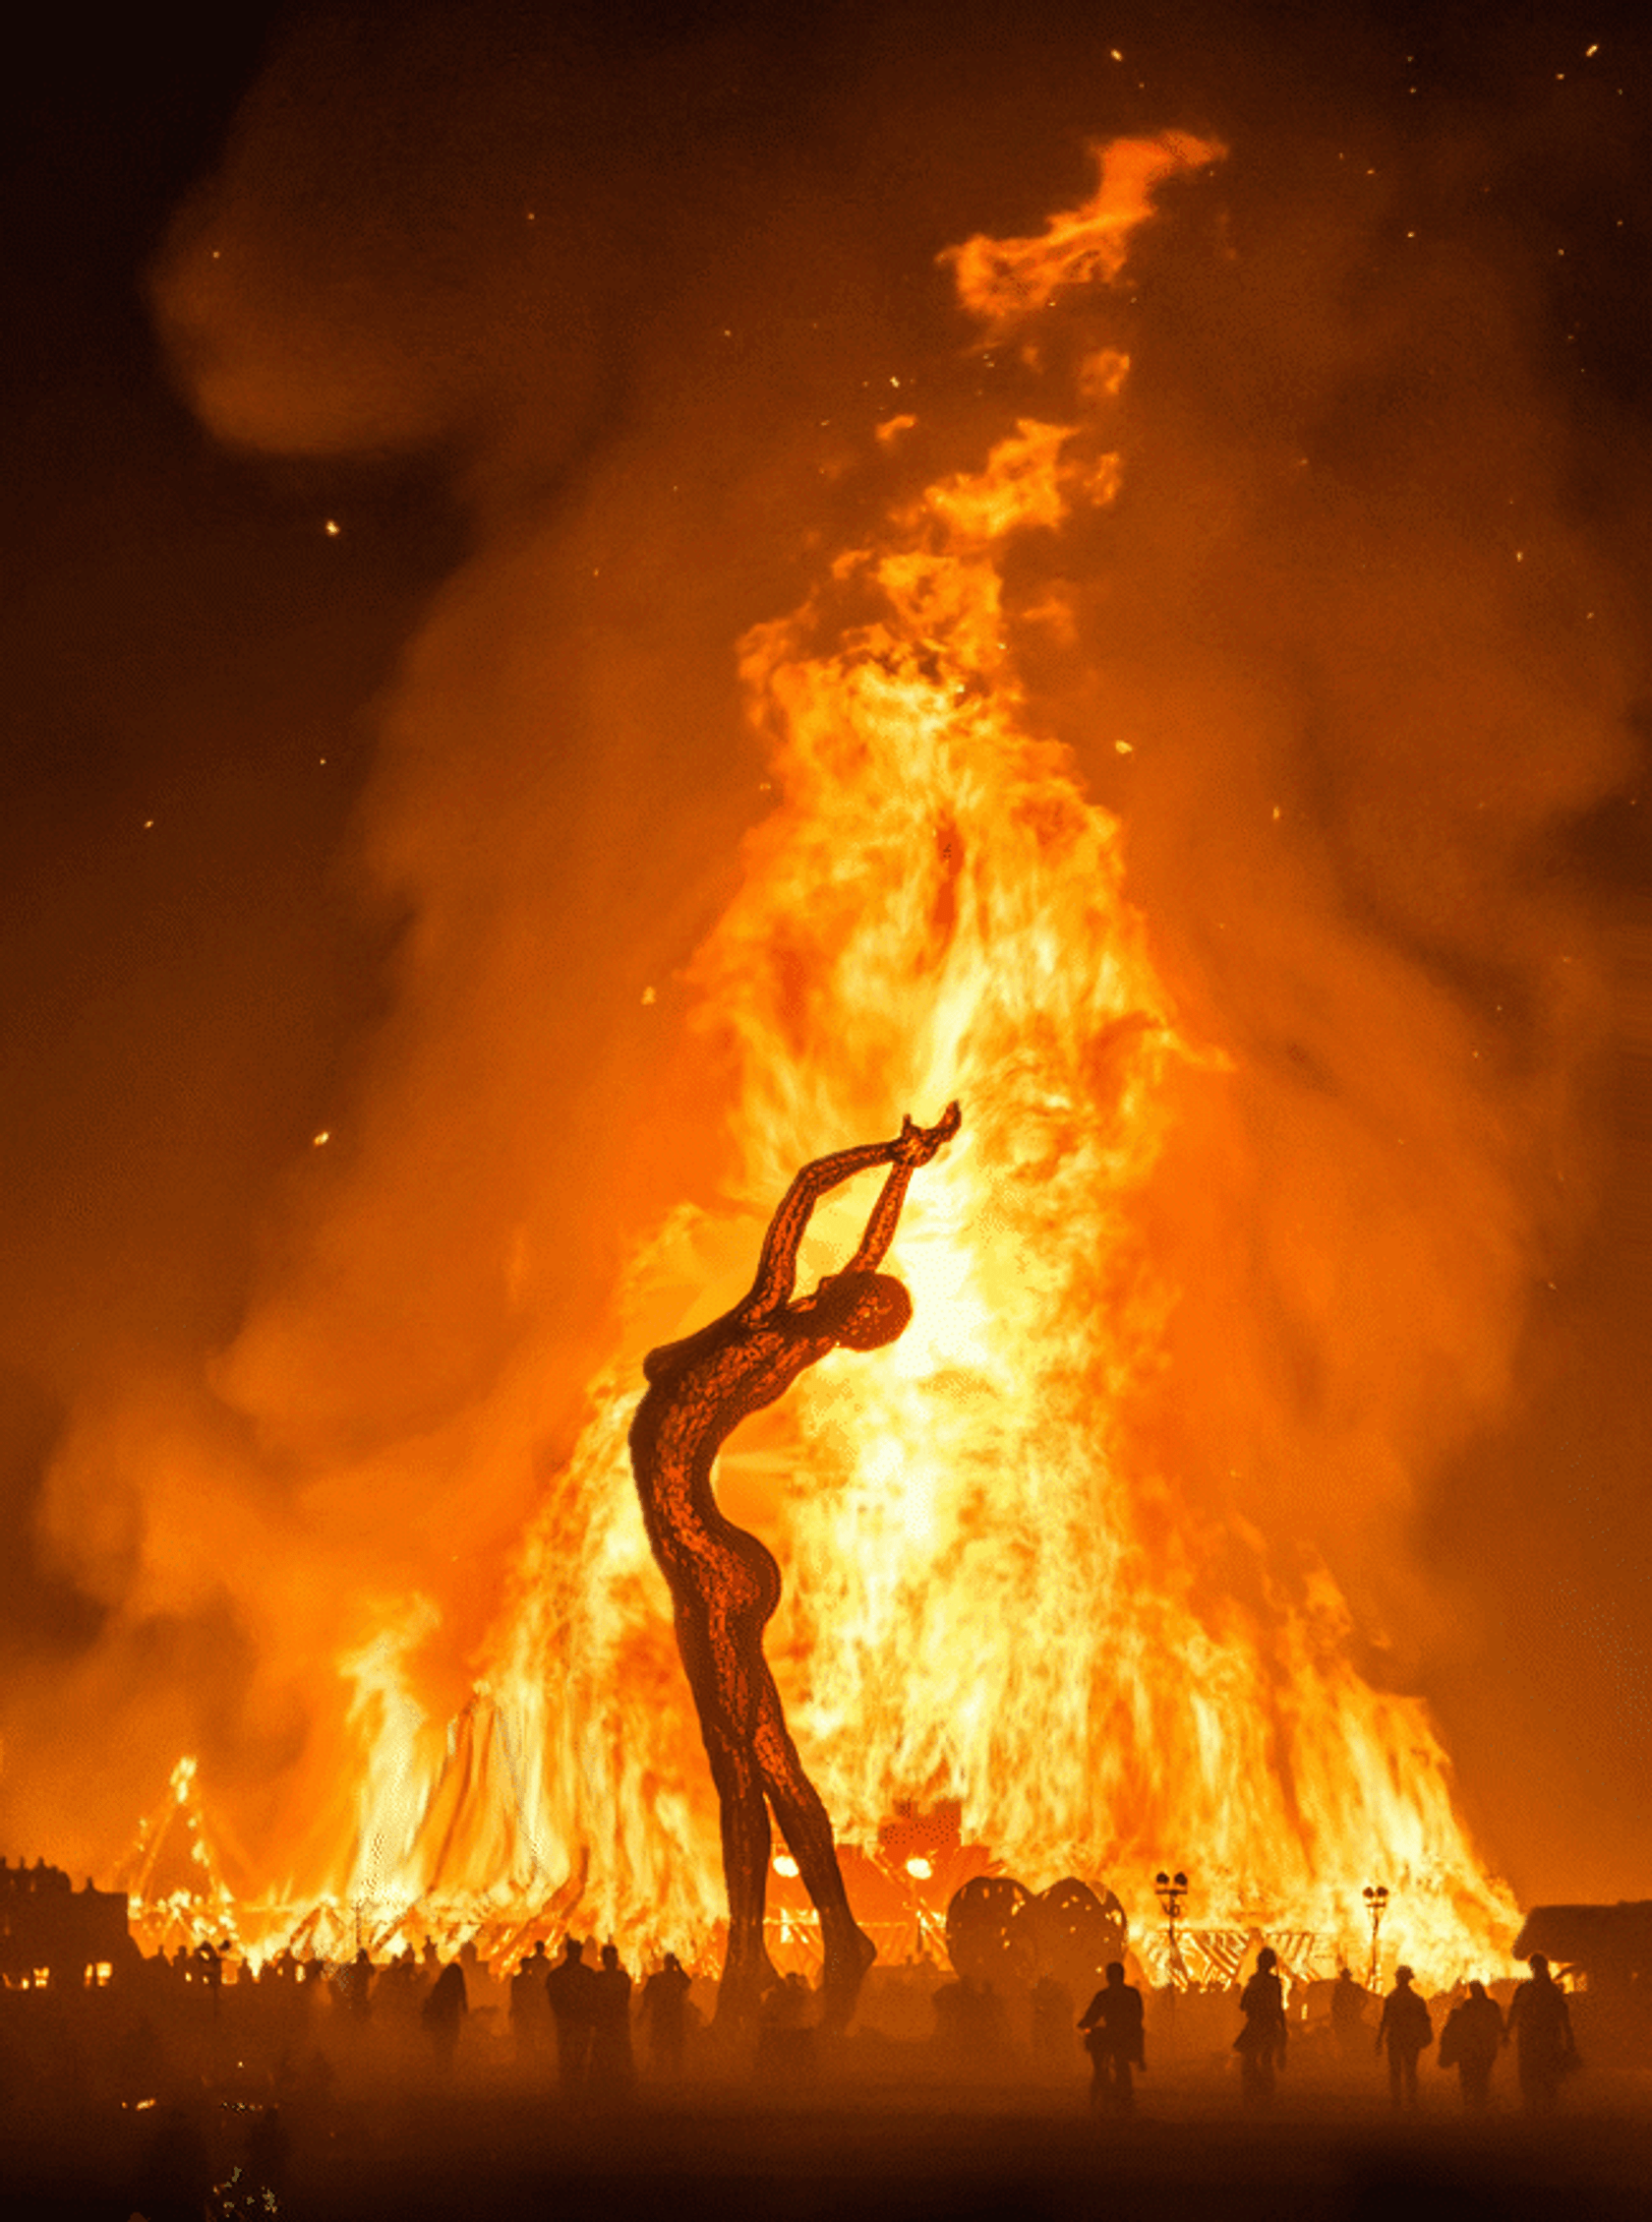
{"x": 642, "y": 289}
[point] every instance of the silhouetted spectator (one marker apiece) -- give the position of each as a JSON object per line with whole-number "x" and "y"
{"x": 665, "y": 2009}
{"x": 355, "y": 1985}
{"x": 530, "y": 2008}
{"x": 570, "y": 1990}
{"x": 210, "y": 1967}
{"x": 1260, "y": 2043}
{"x": 397, "y": 1992}
{"x": 1407, "y": 2032}
{"x": 1112, "y": 2023}
{"x": 1539, "y": 2029}
{"x": 1470, "y": 2043}
{"x": 612, "y": 2068}
{"x": 1347, "y": 2012}
{"x": 444, "y": 2014}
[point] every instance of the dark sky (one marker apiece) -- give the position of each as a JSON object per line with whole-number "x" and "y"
{"x": 201, "y": 961}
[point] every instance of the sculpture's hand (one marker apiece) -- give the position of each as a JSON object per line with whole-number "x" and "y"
{"x": 917, "y": 1144}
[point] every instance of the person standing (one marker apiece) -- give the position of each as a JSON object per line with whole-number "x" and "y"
{"x": 570, "y": 1989}
{"x": 1347, "y": 2012}
{"x": 1540, "y": 2030}
{"x": 1112, "y": 2023}
{"x": 665, "y": 2009}
{"x": 530, "y": 2006}
{"x": 1407, "y": 2031}
{"x": 612, "y": 2068}
{"x": 443, "y": 2014}
{"x": 1260, "y": 2043}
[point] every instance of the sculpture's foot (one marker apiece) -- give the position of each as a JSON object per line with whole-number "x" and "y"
{"x": 748, "y": 1979}
{"x": 847, "y": 1958}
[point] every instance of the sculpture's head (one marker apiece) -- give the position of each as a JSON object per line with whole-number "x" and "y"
{"x": 864, "y": 1310}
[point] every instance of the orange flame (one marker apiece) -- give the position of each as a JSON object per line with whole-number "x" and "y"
{"x": 989, "y": 1597}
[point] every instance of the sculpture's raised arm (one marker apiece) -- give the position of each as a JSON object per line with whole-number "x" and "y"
{"x": 776, "y": 1269}
{"x": 916, "y": 1146}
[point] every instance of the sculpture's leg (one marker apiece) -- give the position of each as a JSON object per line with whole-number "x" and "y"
{"x": 748, "y": 1970}
{"x": 714, "y": 1652}
{"x": 808, "y": 1828}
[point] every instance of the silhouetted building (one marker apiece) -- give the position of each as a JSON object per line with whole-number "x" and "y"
{"x": 1608, "y": 1946}
{"x": 1605, "y": 1953}
{"x": 52, "y": 1935}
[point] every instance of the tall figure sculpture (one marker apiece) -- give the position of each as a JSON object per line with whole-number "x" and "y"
{"x": 725, "y": 1584}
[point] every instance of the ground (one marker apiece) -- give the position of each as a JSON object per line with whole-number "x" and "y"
{"x": 877, "y": 2135}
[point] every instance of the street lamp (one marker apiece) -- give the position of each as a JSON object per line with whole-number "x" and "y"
{"x": 1170, "y": 1889}
{"x": 1376, "y": 1904}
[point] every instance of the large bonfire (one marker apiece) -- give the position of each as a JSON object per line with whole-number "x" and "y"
{"x": 989, "y": 1597}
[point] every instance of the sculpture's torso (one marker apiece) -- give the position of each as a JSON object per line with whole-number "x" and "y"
{"x": 700, "y": 1391}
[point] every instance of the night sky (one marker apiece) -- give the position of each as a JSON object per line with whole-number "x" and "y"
{"x": 247, "y": 530}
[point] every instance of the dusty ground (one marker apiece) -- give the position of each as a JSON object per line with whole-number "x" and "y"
{"x": 876, "y": 2137}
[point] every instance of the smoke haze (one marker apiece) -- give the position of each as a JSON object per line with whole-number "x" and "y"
{"x": 1353, "y": 658}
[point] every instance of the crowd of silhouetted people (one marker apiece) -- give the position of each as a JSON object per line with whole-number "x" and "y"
{"x": 581, "y": 2024}
{"x": 1474, "y": 2033}
{"x": 203, "y": 2035}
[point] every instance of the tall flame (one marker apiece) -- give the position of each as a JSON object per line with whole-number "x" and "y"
{"x": 990, "y": 1594}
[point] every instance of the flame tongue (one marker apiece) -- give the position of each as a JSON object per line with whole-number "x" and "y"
{"x": 986, "y": 1599}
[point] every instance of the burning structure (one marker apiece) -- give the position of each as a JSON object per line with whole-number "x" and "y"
{"x": 1224, "y": 1253}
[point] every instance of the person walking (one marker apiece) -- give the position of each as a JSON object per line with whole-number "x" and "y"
{"x": 1540, "y": 2030}
{"x": 1470, "y": 2043}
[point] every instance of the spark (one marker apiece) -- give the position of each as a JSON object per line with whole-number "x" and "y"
{"x": 332, "y": 528}
{"x": 317, "y": 1140}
